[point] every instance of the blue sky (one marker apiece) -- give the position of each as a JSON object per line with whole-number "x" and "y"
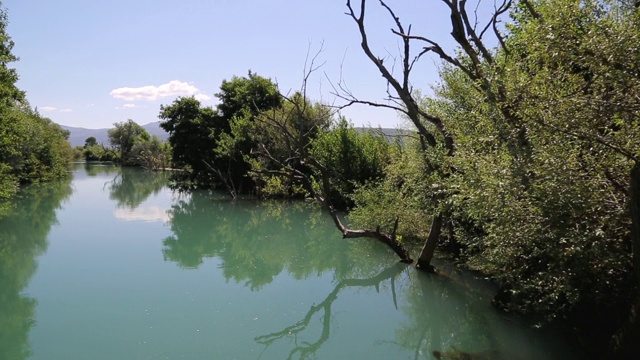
{"x": 92, "y": 63}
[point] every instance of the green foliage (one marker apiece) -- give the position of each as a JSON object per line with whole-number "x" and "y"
{"x": 212, "y": 144}
{"x": 152, "y": 154}
{"x": 537, "y": 188}
{"x": 90, "y": 141}
{"x": 546, "y": 213}
{"x": 283, "y": 136}
{"x": 32, "y": 148}
{"x": 252, "y": 94}
{"x": 124, "y": 136}
{"x": 98, "y": 153}
{"x": 352, "y": 158}
{"x": 9, "y": 93}
{"x": 405, "y": 192}
{"x": 192, "y": 131}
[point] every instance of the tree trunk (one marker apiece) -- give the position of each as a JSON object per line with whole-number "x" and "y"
{"x": 625, "y": 342}
{"x": 635, "y": 223}
{"x": 630, "y": 343}
{"x": 424, "y": 261}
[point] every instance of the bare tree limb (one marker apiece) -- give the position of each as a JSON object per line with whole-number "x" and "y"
{"x": 412, "y": 110}
{"x": 228, "y": 184}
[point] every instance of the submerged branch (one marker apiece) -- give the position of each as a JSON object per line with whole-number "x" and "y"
{"x": 287, "y": 169}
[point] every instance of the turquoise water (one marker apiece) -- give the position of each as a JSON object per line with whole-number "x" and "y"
{"x": 112, "y": 264}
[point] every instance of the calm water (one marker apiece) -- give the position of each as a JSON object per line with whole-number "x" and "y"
{"x": 114, "y": 265}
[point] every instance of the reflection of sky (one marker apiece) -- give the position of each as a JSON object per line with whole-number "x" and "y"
{"x": 143, "y": 213}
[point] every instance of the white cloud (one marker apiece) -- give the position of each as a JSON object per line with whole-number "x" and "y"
{"x": 171, "y": 89}
{"x": 66, "y": 110}
{"x": 202, "y": 97}
{"x": 47, "y": 108}
{"x": 131, "y": 106}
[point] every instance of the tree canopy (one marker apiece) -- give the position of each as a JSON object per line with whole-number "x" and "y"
{"x": 524, "y": 162}
{"x": 32, "y": 147}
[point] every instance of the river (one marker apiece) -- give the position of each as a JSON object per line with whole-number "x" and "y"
{"x": 113, "y": 264}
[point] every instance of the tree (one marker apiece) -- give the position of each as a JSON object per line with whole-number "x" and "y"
{"x": 252, "y": 94}
{"x": 204, "y": 139}
{"x": 192, "y": 134}
{"x": 545, "y": 129}
{"x": 90, "y": 141}
{"x": 152, "y": 154}
{"x": 124, "y": 136}
{"x": 9, "y": 93}
{"x": 353, "y": 158}
{"x": 283, "y": 152}
{"x": 241, "y": 100}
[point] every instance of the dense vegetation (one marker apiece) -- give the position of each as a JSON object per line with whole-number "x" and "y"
{"x": 129, "y": 145}
{"x": 32, "y": 147}
{"x": 522, "y": 163}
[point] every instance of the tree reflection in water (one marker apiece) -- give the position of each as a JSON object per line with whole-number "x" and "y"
{"x": 252, "y": 243}
{"x": 23, "y": 237}
{"x": 305, "y": 348}
{"x": 131, "y": 186}
{"x": 256, "y": 241}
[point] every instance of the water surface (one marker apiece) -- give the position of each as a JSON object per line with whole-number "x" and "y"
{"x": 112, "y": 264}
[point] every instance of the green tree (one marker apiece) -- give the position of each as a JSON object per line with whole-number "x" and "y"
{"x": 252, "y": 94}
{"x": 32, "y": 148}
{"x": 537, "y": 165}
{"x": 9, "y": 93}
{"x": 90, "y": 141}
{"x": 202, "y": 139}
{"x": 352, "y": 158}
{"x": 124, "y": 136}
{"x": 193, "y": 130}
{"x": 152, "y": 154}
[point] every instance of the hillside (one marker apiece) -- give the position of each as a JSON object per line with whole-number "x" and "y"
{"x": 79, "y": 135}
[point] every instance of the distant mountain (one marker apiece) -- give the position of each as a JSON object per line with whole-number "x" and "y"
{"x": 155, "y": 129}
{"x": 388, "y": 133}
{"x": 79, "y": 135}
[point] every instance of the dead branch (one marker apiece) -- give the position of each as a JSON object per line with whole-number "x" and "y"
{"x": 295, "y": 174}
{"x": 228, "y": 184}
{"x": 401, "y": 87}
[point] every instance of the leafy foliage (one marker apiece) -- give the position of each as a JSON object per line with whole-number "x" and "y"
{"x": 32, "y": 148}
{"x": 546, "y": 214}
{"x": 124, "y": 136}
{"x": 209, "y": 143}
{"x": 352, "y": 158}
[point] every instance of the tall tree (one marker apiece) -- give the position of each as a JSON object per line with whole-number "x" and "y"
{"x": 193, "y": 130}
{"x": 124, "y": 136}
{"x": 538, "y": 185}
{"x": 9, "y": 92}
{"x": 204, "y": 140}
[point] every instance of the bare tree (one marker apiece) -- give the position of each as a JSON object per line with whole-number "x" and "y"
{"x": 431, "y": 128}
{"x": 292, "y": 129}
